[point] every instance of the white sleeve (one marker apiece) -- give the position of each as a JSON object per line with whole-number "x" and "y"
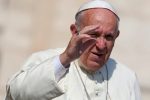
{"x": 36, "y": 81}
{"x": 59, "y": 69}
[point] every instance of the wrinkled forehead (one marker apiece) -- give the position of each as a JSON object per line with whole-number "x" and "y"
{"x": 98, "y": 16}
{"x": 92, "y": 4}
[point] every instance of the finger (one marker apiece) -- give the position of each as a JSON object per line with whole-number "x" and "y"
{"x": 84, "y": 38}
{"x": 81, "y": 38}
{"x": 88, "y": 29}
{"x": 86, "y": 44}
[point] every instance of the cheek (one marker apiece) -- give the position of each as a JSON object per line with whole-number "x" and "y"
{"x": 110, "y": 46}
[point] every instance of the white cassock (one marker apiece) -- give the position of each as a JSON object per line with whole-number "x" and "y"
{"x": 44, "y": 78}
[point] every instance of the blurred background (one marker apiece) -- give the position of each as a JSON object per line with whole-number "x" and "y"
{"x": 28, "y": 26}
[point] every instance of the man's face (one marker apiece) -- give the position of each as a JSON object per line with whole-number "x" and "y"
{"x": 97, "y": 53}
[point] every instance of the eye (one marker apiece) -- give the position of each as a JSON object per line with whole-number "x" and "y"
{"x": 94, "y": 35}
{"x": 109, "y": 37}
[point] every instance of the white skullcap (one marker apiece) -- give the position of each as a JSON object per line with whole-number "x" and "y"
{"x": 96, "y": 4}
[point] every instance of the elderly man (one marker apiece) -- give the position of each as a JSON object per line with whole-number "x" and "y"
{"x": 82, "y": 71}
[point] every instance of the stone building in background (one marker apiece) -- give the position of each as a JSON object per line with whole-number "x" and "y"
{"x": 27, "y": 26}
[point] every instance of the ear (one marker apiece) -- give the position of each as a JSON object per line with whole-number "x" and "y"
{"x": 73, "y": 29}
{"x": 117, "y": 34}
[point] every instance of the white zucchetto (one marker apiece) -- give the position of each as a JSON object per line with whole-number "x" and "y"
{"x": 96, "y": 4}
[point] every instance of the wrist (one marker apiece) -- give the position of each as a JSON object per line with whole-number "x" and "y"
{"x": 65, "y": 60}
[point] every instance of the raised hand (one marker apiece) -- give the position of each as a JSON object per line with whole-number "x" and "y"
{"x": 78, "y": 44}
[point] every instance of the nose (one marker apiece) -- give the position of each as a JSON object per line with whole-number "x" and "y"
{"x": 101, "y": 43}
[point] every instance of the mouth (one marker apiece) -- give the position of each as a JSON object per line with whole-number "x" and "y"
{"x": 99, "y": 54}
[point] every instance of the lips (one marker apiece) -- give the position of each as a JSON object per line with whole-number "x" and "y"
{"x": 98, "y": 54}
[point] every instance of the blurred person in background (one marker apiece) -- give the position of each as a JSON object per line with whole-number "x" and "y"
{"x": 83, "y": 70}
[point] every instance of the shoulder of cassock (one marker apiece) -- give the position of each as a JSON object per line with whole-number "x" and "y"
{"x": 121, "y": 69}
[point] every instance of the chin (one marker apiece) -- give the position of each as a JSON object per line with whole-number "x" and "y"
{"x": 93, "y": 66}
